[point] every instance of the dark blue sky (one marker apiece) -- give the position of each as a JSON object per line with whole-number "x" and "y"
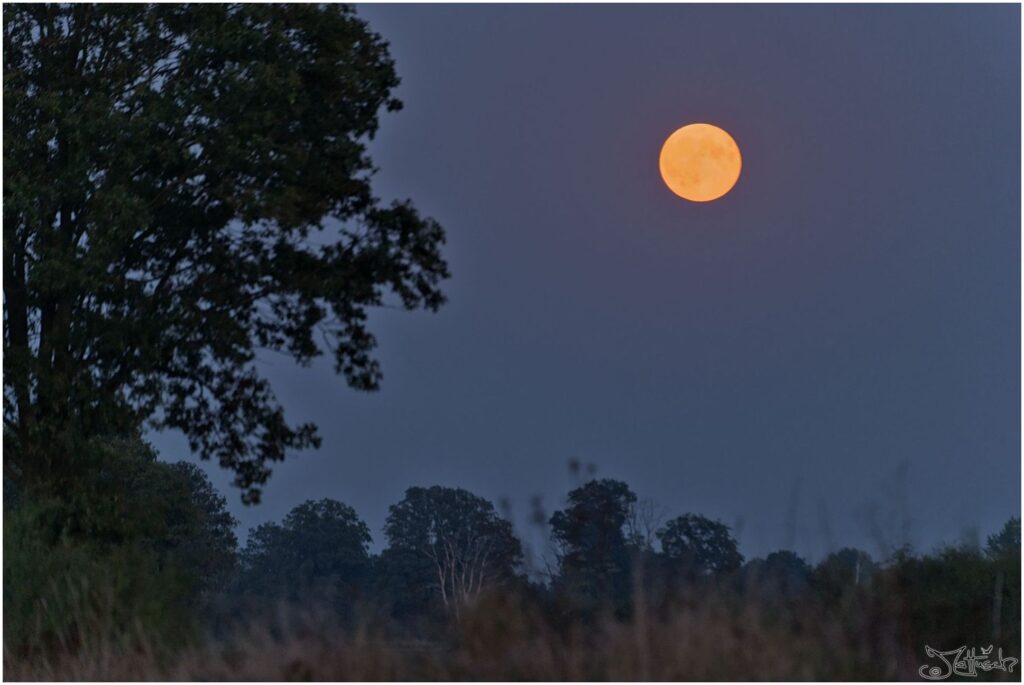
{"x": 828, "y": 355}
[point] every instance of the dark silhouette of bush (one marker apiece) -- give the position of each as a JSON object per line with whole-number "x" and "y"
{"x": 142, "y": 544}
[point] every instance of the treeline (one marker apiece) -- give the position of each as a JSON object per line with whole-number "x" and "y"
{"x": 151, "y": 546}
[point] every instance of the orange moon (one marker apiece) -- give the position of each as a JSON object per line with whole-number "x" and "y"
{"x": 700, "y": 162}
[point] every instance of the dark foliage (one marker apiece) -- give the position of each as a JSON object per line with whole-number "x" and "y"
{"x": 140, "y": 541}
{"x": 200, "y": 530}
{"x": 1005, "y": 543}
{"x": 781, "y": 574}
{"x": 115, "y": 570}
{"x": 845, "y": 573}
{"x": 188, "y": 185}
{"x": 594, "y": 556}
{"x": 953, "y": 597}
{"x": 698, "y": 546}
{"x": 446, "y": 546}
{"x": 319, "y": 550}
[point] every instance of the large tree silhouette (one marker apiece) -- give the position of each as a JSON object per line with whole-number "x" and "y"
{"x": 186, "y": 186}
{"x": 450, "y": 541}
{"x": 590, "y": 537}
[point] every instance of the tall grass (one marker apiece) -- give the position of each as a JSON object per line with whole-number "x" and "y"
{"x": 501, "y": 638}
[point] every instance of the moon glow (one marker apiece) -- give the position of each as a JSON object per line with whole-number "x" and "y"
{"x": 700, "y": 162}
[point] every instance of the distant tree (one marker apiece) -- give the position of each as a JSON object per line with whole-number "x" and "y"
{"x": 698, "y": 546}
{"x": 451, "y": 541}
{"x": 186, "y": 186}
{"x": 1006, "y": 542}
{"x": 844, "y": 572}
{"x": 321, "y": 547}
{"x": 591, "y": 540}
{"x": 782, "y": 573}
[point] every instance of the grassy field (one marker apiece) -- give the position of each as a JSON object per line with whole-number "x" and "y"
{"x": 703, "y": 640}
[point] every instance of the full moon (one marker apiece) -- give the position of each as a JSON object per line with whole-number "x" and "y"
{"x": 700, "y": 162}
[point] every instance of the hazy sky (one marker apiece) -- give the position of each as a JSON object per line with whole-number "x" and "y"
{"x": 828, "y": 355}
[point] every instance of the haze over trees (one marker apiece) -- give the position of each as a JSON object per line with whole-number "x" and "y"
{"x": 452, "y": 571}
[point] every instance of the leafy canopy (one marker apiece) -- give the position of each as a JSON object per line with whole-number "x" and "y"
{"x": 446, "y": 543}
{"x": 321, "y": 544}
{"x": 699, "y": 545}
{"x": 437, "y": 516}
{"x": 589, "y": 534}
{"x": 188, "y": 186}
